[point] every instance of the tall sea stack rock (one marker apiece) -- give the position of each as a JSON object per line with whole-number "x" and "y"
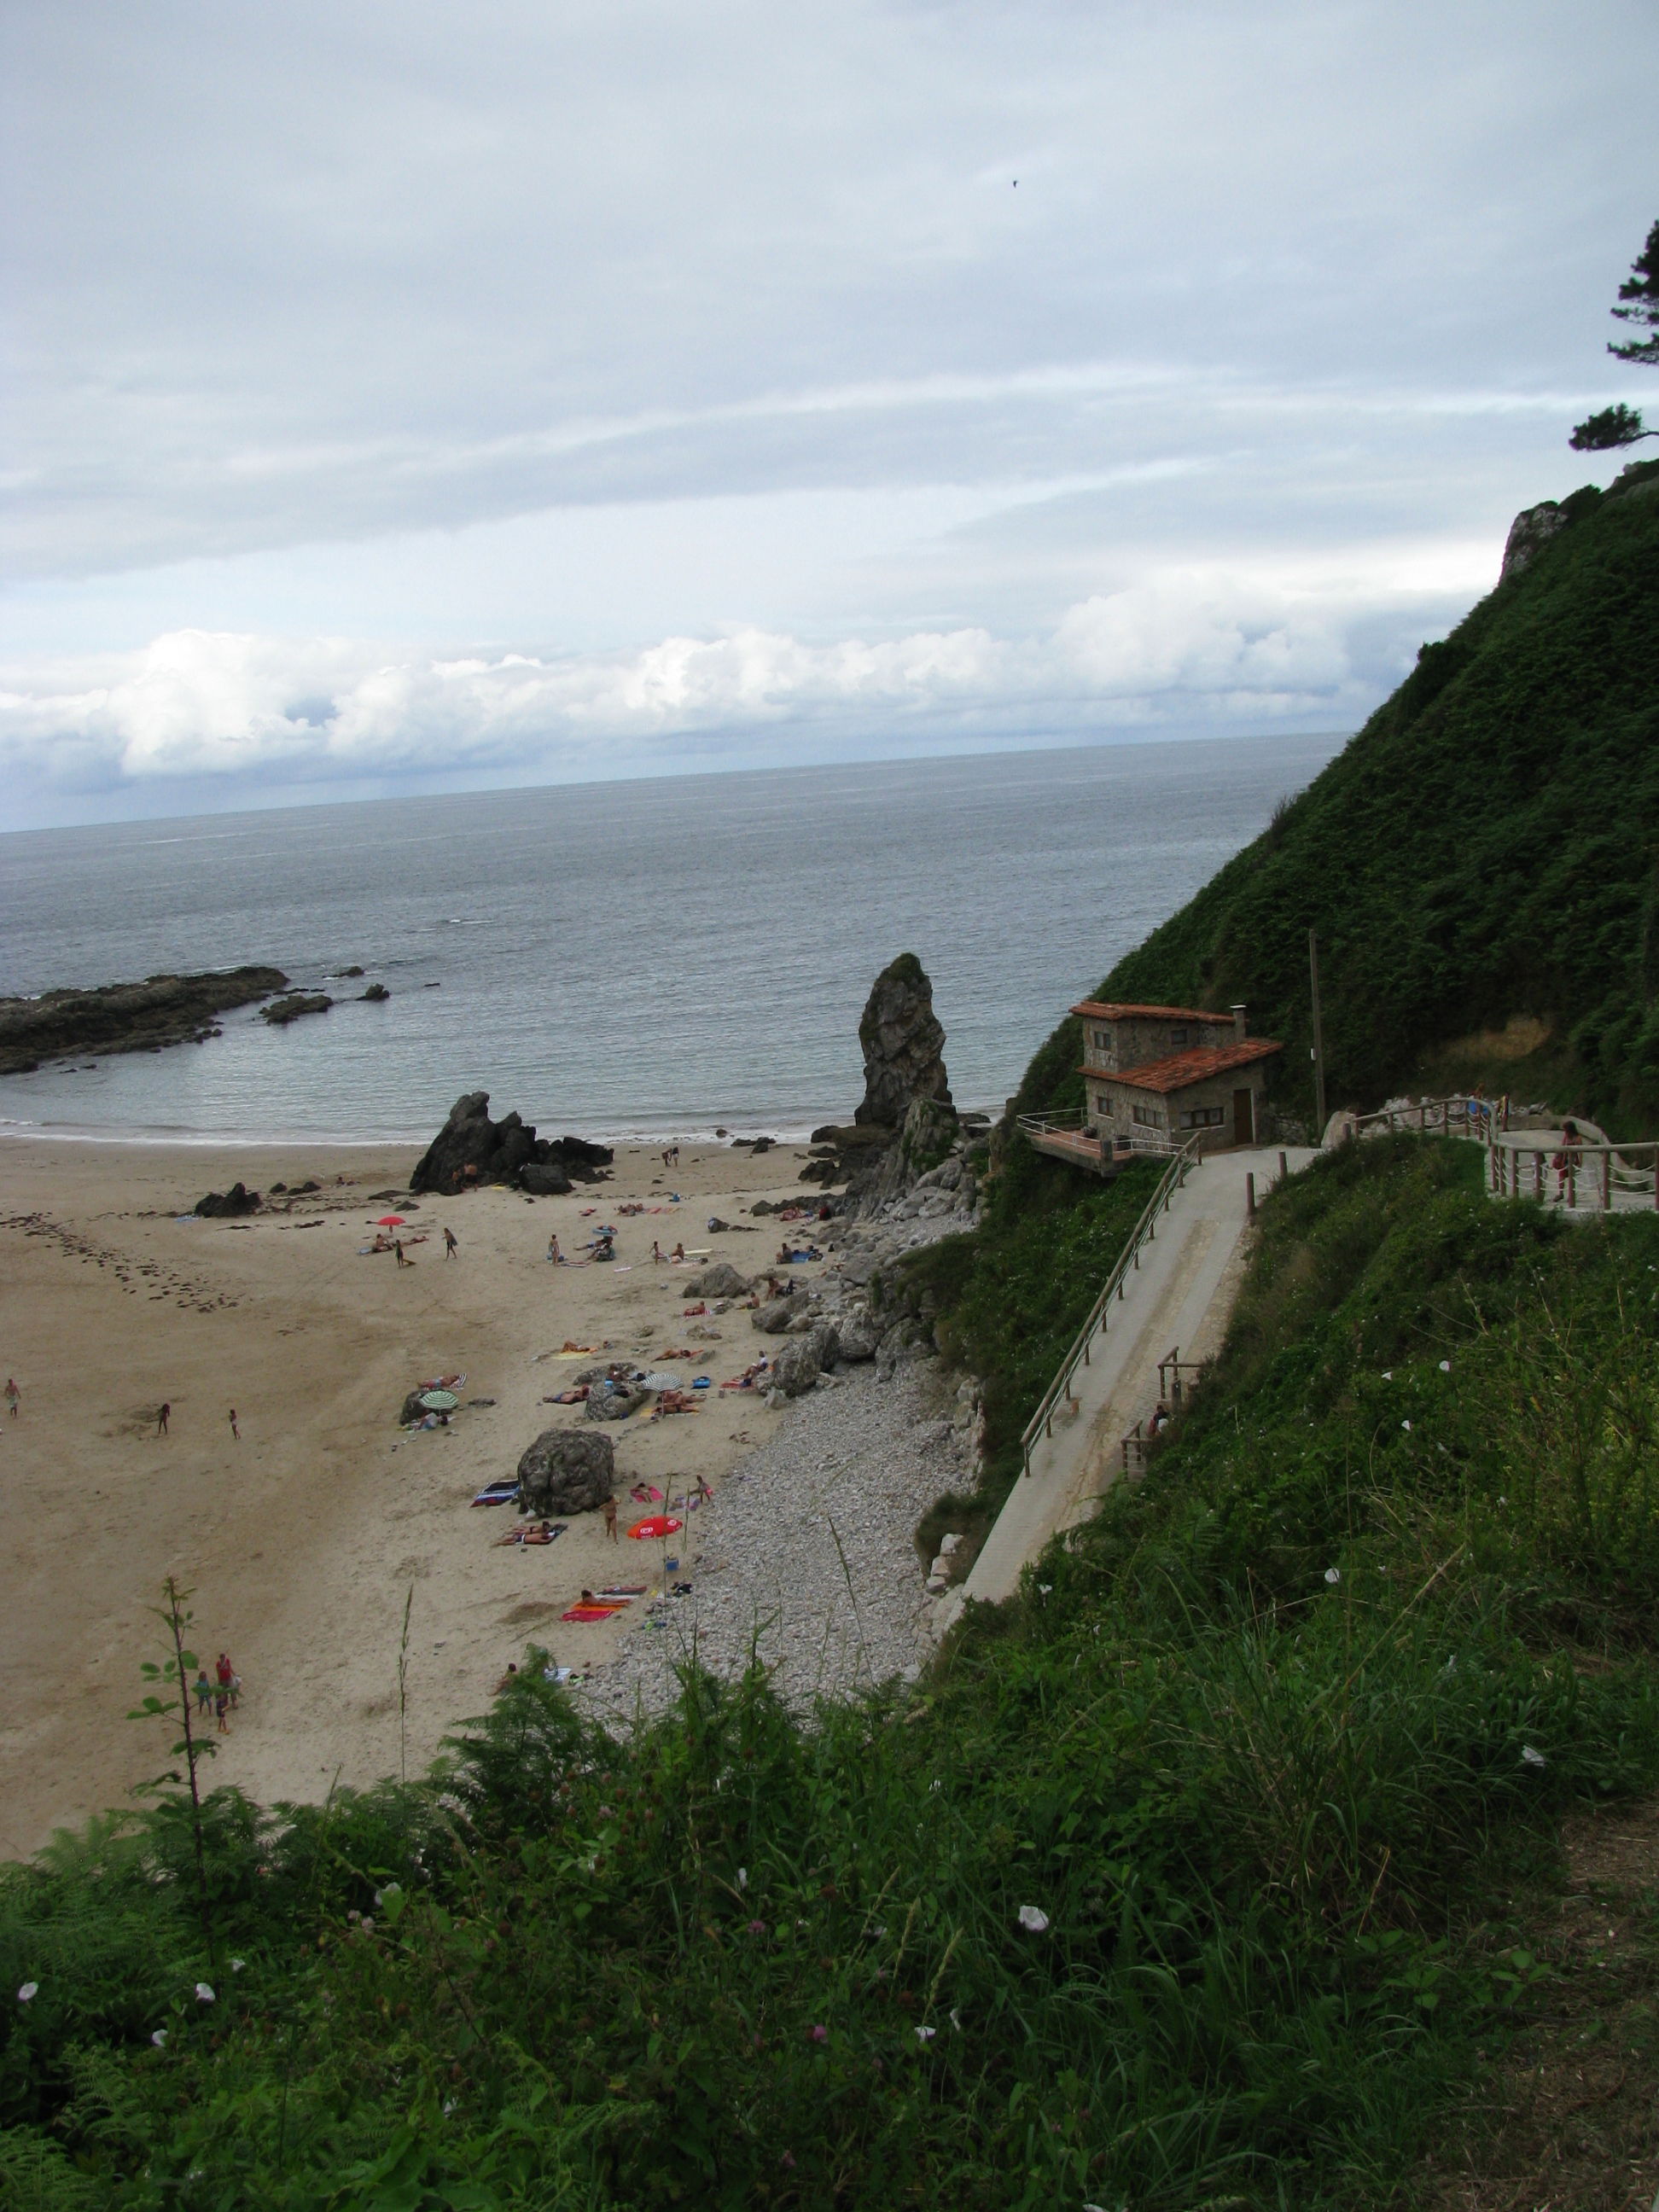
{"x": 903, "y": 1045}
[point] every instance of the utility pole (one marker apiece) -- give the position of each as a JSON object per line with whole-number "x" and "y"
{"x": 1317, "y": 1053}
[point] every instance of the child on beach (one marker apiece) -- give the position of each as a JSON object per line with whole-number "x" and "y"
{"x": 204, "y": 1690}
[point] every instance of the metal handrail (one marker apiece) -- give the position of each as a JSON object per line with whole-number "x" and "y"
{"x": 1144, "y": 1231}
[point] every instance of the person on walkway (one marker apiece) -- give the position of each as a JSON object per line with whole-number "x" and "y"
{"x": 451, "y": 1246}
{"x": 12, "y": 1397}
{"x": 236, "y": 1433}
{"x": 161, "y": 1420}
{"x": 1566, "y": 1160}
{"x": 608, "y": 1505}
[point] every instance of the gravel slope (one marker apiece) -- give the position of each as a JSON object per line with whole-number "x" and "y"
{"x": 808, "y": 1546}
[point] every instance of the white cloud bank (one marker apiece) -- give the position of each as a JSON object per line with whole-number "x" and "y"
{"x": 1186, "y": 649}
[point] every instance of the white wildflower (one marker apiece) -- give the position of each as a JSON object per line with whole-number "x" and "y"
{"x": 955, "y": 2019}
{"x": 204, "y": 1993}
{"x": 1445, "y": 1367}
{"x": 159, "y": 2038}
{"x": 1333, "y": 1574}
{"x": 1043, "y": 1589}
{"x": 1533, "y": 1758}
{"x": 743, "y": 1877}
{"x": 237, "y": 1964}
{"x": 1388, "y": 1374}
{"x": 1034, "y": 1917}
{"x": 1404, "y": 1425}
{"x": 26, "y": 1994}
{"x": 926, "y": 2034}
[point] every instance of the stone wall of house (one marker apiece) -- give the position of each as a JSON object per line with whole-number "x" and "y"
{"x": 1135, "y": 1040}
{"x": 1112, "y": 1108}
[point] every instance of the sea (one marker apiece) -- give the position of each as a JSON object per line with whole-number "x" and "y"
{"x": 643, "y": 959}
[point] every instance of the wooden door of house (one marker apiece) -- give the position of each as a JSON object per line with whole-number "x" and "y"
{"x": 1243, "y": 1119}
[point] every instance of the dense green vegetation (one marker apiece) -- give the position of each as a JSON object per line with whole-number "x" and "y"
{"x": 1261, "y": 1751}
{"x": 1485, "y": 849}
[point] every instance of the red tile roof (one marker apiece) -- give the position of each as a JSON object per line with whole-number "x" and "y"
{"x": 1097, "y": 1010}
{"x": 1183, "y": 1069}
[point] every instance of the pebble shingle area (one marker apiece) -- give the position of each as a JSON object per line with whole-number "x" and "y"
{"x": 809, "y": 1545}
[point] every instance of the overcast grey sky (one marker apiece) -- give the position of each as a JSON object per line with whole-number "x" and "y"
{"x": 406, "y": 396}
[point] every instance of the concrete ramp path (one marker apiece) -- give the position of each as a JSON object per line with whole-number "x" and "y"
{"x": 1181, "y": 1294}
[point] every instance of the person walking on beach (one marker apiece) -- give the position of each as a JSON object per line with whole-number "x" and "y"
{"x": 12, "y": 1397}
{"x": 404, "y": 1259}
{"x": 451, "y": 1246}
{"x": 161, "y": 1420}
{"x": 235, "y": 1431}
{"x": 609, "y": 1507}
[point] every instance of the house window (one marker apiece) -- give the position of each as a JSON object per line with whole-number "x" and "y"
{"x": 1203, "y": 1117}
{"x": 1147, "y": 1117}
{"x": 1100, "y": 1041}
{"x": 1179, "y": 1039}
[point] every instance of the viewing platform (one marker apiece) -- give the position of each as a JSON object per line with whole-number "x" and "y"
{"x": 1064, "y": 1136}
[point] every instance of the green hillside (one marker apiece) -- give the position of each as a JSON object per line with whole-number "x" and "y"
{"x": 1481, "y": 861}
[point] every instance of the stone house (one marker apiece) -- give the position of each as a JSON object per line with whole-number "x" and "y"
{"x": 1160, "y": 1073}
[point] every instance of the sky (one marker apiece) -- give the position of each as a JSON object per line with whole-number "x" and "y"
{"x": 404, "y": 397}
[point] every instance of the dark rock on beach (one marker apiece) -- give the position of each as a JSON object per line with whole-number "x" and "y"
{"x": 237, "y": 1200}
{"x": 281, "y": 1012}
{"x": 567, "y": 1471}
{"x": 544, "y": 1179}
{"x": 125, "y": 1017}
{"x": 471, "y": 1149}
{"x": 375, "y": 994}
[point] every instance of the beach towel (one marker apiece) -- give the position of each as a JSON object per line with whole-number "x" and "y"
{"x": 497, "y": 1493}
{"x": 590, "y": 1613}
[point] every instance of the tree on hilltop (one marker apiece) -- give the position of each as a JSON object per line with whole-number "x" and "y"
{"x": 1641, "y": 288}
{"x": 1621, "y": 425}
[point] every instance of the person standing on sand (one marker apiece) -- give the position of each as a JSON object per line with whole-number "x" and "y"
{"x": 236, "y": 1433}
{"x": 221, "y": 1705}
{"x": 404, "y": 1259}
{"x": 12, "y": 1395}
{"x": 204, "y": 1690}
{"x": 161, "y": 1420}
{"x": 451, "y": 1246}
{"x": 554, "y": 1253}
{"x": 608, "y": 1506}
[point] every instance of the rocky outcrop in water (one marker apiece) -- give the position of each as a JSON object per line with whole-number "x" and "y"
{"x": 471, "y": 1149}
{"x": 125, "y": 1017}
{"x": 281, "y": 1012}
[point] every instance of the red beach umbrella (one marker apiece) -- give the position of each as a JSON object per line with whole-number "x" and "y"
{"x": 390, "y": 1221}
{"x": 656, "y": 1524}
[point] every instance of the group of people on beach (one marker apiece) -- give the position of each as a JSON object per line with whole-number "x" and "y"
{"x": 222, "y": 1694}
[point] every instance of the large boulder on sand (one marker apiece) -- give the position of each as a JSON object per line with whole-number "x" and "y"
{"x": 903, "y": 1045}
{"x": 472, "y": 1149}
{"x": 567, "y": 1471}
{"x": 796, "y": 1369}
{"x": 610, "y": 1399}
{"x": 772, "y": 1318}
{"x": 718, "y": 1280}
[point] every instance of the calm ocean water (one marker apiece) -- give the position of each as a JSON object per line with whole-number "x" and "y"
{"x": 622, "y": 958}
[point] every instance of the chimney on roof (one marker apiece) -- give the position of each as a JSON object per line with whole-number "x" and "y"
{"x": 1241, "y": 1027}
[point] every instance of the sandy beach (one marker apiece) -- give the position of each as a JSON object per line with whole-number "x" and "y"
{"x": 303, "y": 1539}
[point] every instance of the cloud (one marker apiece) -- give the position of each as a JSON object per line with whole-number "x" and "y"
{"x": 1185, "y": 649}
